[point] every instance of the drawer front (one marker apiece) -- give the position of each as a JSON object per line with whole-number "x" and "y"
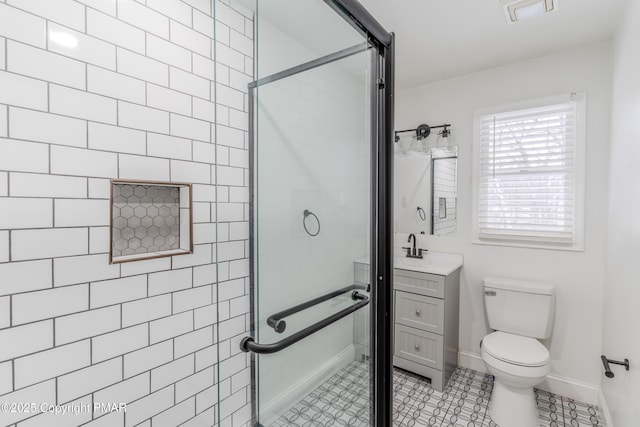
{"x": 420, "y": 312}
{"x": 430, "y": 285}
{"x": 418, "y": 346}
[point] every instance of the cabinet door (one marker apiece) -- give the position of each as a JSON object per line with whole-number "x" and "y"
{"x": 420, "y": 312}
{"x": 419, "y": 346}
{"x": 430, "y": 285}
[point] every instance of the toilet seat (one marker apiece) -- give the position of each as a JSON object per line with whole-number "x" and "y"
{"x": 515, "y": 349}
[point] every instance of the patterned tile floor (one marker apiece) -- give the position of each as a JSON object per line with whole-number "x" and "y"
{"x": 464, "y": 402}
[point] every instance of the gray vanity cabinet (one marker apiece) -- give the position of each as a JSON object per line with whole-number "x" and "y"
{"x": 426, "y": 308}
{"x": 425, "y": 322}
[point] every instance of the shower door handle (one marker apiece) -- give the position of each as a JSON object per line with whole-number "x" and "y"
{"x": 276, "y": 321}
{"x": 248, "y": 343}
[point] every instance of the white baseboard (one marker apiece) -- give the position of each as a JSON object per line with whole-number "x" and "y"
{"x": 273, "y": 409}
{"x": 567, "y": 387}
{"x": 604, "y": 408}
{"x": 471, "y": 361}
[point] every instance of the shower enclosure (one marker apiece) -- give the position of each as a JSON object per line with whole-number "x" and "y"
{"x": 320, "y": 150}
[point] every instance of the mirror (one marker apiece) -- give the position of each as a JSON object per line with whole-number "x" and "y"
{"x": 444, "y": 195}
{"x": 426, "y": 197}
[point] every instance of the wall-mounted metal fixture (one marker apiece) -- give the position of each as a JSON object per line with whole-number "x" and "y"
{"x": 249, "y": 344}
{"x": 417, "y": 142}
{"x": 444, "y": 141}
{"x": 307, "y": 213}
{"x": 607, "y": 369}
{"x": 422, "y": 214}
{"x": 422, "y": 131}
{"x": 277, "y": 322}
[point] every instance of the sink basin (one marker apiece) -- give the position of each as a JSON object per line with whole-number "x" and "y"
{"x": 432, "y": 262}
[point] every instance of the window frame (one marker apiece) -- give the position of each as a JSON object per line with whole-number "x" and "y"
{"x": 577, "y": 244}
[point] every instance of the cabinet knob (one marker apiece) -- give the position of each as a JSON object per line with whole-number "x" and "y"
{"x": 417, "y": 347}
{"x": 417, "y": 312}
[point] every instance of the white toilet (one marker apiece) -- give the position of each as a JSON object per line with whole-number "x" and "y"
{"x": 520, "y": 312}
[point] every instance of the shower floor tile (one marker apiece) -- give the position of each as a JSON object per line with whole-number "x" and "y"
{"x": 464, "y": 402}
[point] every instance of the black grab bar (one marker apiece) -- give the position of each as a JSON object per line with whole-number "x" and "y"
{"x": 248, "y": 343}
{"x": 279, "y": 325}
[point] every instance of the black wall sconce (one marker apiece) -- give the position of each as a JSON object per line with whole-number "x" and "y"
{"x": 424, "y": 130}
{"x": 418, "y": 143}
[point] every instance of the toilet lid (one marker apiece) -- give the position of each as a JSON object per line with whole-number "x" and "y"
{"x": 516, "y": 349}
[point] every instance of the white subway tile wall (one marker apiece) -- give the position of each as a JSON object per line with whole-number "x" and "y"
{"x": 97, "y": 89}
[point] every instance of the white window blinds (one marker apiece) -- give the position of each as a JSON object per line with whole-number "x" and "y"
{"x": 527, "y": 175}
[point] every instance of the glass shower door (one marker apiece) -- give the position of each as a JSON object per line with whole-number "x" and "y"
{"x": 311, "y": 218}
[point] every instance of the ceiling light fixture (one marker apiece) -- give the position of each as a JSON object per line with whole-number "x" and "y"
{"x": 518, "y": 10}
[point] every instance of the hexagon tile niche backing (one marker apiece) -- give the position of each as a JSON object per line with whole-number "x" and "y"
{"x": 146, "y": 219}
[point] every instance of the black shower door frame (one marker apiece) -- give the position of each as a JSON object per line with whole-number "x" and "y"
{"x": 382, "y": 126}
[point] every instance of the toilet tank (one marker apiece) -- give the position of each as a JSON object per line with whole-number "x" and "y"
{"x": 520, "y": 307}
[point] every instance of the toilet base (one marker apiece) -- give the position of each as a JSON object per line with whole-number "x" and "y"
{"x": 513, "y": 406}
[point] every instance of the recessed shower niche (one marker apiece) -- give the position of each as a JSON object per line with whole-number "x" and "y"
{"x": 150, "y": 219}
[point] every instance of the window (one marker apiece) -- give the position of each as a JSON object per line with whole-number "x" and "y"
{"x": 529, "y": 173}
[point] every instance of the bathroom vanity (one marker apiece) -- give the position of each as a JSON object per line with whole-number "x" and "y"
{"x": 426, "y": 313}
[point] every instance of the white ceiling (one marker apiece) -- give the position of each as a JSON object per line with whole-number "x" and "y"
{"x": 441, "y": 39}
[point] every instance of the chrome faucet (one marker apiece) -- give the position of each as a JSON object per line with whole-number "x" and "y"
{"x": 413, "y": 252}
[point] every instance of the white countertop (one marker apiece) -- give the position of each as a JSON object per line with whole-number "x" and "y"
{"x": 432, "y": 262}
